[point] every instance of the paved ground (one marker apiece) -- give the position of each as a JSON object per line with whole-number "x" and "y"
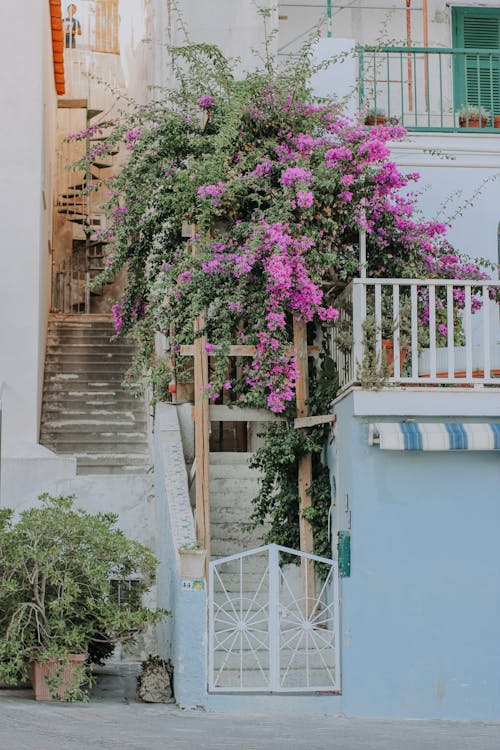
{"x": 114, "y": 720}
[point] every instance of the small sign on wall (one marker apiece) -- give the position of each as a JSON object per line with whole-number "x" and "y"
{"x": 344, "y": 553}
{"x": 194, "y": 584}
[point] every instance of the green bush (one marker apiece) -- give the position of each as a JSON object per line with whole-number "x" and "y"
{"x": 56, "y": 566}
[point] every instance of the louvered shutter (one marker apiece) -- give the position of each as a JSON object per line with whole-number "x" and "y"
{"x": 477, "y": 77}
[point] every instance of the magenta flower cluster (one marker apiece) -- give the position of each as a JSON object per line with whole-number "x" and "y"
{"x": 131, "y": 137}
{"x": 206, "y": 101}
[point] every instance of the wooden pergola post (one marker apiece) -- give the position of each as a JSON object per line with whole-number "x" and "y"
{"x": 201, "y": 435}
{"x": 305, "y": 463}
{"x": 201, "y": 419}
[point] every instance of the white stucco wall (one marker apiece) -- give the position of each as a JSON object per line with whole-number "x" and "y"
{"x": 148, "y": 27}
{"x": 28, "y": 100}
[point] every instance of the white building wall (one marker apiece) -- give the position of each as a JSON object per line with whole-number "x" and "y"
{"x": 27, "y": 94}
{"x": 149, "y": 27}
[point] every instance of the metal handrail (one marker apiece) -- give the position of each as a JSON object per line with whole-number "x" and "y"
{"x": 396, "y": 80}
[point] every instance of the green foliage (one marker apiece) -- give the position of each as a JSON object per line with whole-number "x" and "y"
{"x": 373, "y": 370}
{"x": 278, "y": 463}
{"x": 56, "y": 563}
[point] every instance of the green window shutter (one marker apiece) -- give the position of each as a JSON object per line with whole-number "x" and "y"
{"x": 476, "y": 76}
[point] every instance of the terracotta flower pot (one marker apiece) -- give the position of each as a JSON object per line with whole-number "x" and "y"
{"x": 473, "y": 121}
{"x": 378, "y": 120}
{"x": 388, "y": 354}
{"x": 496, "y": 122}
{"x": 66, "y": 672}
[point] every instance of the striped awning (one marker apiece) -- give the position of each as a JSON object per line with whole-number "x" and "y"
{"x": 435, "y": 436}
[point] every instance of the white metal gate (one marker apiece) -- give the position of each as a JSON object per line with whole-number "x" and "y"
{"x": 273, "y": 624}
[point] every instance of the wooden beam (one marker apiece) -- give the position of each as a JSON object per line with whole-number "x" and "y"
{"x": 187, "y": 350}
{"x": 238, "y": 350}
{"x": 301, "y": 422}
{"x": 305, "y": 463}
{"x": 220, "y": 413}
{"x": 201, "y": 439}
{"x": 72, "y": 104}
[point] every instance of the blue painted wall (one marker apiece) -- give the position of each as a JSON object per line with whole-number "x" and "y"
{"x": 421, "y": 610}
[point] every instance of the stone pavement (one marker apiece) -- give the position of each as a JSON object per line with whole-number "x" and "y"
{"x": 115, "y": 720}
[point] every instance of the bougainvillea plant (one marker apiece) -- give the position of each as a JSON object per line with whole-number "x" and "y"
{"x": 276, "y": 187}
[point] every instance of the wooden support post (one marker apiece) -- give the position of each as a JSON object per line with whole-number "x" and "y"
{"x": 305, "y": 464}
{"x": 201, "y": 437}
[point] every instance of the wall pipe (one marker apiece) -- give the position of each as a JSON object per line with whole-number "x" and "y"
{"x": 410, "y": 65}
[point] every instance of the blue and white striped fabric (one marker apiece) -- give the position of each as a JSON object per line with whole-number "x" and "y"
{"x": 436, "y": 436}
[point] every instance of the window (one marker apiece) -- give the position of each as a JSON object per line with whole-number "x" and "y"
{"x": 126, "y": 592}
{"x": 477, "y": 76}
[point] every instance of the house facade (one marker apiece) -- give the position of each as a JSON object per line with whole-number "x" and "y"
{"x": 410, "y": 601}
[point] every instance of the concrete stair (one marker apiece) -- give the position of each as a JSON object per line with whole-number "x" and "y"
{"x": 85, "y": 411}
{"x": 233, "y": 485}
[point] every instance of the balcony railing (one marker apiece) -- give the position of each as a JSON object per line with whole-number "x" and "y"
{"x": 419, "y": 332}
{"x": 424, "y": 89}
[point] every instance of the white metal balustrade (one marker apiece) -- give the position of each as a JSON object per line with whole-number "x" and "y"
{"x": 423, "y": 331}
{"x": 273, "y": 625}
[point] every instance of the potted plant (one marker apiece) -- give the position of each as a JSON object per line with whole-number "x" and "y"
{"x": 472, "y": 116}
{"x": 192, "y": 560}
{"x": 57, "y": 565}
{"x": 375, "y": 117}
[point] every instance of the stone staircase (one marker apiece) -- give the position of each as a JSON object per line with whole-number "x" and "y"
{"x": 85, "y": 411}
{"x": 233, "y": 484}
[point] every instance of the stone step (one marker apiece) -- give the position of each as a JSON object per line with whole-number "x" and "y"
{"x": 87, "y": 339}
{"x": 231, "y": 471}
{"x": 96, "y": 447}
{"x": 75, "y": 410}
{"x": 82, "y": 334}
{"x": 295, "y": 678}
{"x": 76, "y": 347}
{"x": 233, "y": 535}
{"x": 229, "y": 457}
{"x": 96, "y": 424}
{"x": 79, "y": 362}
{"x": 61, "y": 399}
{"x": 88, "y": 369}
{"x": 82, "y": 321}
{"x": 93, "y": 436}
{"x": 83, "y": 380}
{"x": 222, "y": 511}
{"x": 311, "y": 658}
{"x": 84, "y": 470}
{"x": 77, "y": 328}
{"x": 100, "y": 464}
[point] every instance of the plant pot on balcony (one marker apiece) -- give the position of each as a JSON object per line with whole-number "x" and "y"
{"x": 64, "y": 674}
{"x": 375, "y": 120}
{"x": 496, "y": 122}
{"x": 388, "y": 354}
{"x": 192, "y": 562}
{"x": 473, "y": 122}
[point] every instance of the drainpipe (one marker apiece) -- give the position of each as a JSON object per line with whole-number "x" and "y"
{"x": 425, "y": 24}
{"x": 410, "y": 65}
{"x": 329, "y": 16}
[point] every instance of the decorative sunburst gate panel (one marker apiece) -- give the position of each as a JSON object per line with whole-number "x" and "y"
{"x": 273, "y": 622}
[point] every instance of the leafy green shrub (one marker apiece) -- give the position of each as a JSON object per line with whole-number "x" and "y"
{"x": 56, "y": 566}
